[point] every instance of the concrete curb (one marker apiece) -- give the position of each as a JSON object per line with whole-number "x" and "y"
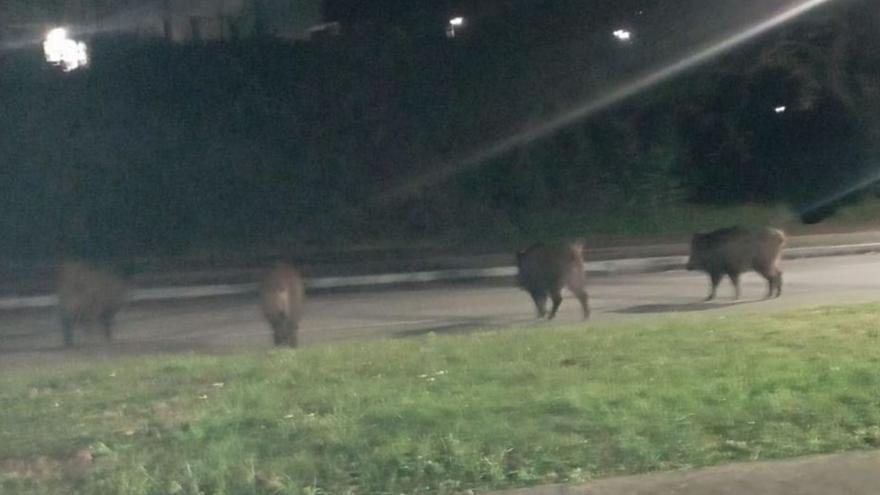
{"x": 606, "y": 267}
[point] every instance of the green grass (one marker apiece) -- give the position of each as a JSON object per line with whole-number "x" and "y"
{"x": 449, "y": 414}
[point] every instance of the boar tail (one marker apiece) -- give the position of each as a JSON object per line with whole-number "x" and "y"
{"x": 780, "y": 235}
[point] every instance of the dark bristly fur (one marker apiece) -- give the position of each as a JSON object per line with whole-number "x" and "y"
{"x": 734, "y": 250}
{"x": 544, "y": 269}
{"x": 281, "y": 299}
{"x": 88, "y": 294}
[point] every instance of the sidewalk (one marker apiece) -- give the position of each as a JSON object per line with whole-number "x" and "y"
{"x": 639, "y": 258}
{"x": 30, "y": 290}
{"x": 856, "y": 473}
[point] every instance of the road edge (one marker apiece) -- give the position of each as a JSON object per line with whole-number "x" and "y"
{"x": 388, "y": 280}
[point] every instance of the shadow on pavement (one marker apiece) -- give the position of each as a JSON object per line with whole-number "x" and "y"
{"x": 466, "y": 327}
{"x": 55, "y": 351}
{"x": 676, "y": 308}
{"x": 31, "y": 348}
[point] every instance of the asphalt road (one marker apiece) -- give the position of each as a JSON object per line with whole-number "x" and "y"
{"x": 852, "y": 473}
{"x": 230, "y": 324}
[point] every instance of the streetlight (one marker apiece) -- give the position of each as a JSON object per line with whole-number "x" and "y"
{"x": 622, "y": 35}
{"x": 63, "y": 51}
{"x": 455, "y": 22}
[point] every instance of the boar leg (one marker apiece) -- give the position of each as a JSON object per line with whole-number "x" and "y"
{"x": 556, "y": 297}
{"x": 771, "y": 284}
{"x": 714, "y": 280}
{"x": 581, "y": 295}
{"x": 540, "y": 299}
{"x": 292, "y": 334}
{"x": 734, "y": 279}
{"x": 575, "y": 284}
{"x": 277, "y": 330}
{"x": 774, "y": 280}
{"x": 106, "y": 319}
{"x": 67, "y": 324}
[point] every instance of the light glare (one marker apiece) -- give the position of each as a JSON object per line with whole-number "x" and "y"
{"x": 56, "y": 35}
{"x": 67, "y": 53}
{"x": 780, "y": 109}
{"x": 622, "y": 34}
{"x": 456, "y": 21}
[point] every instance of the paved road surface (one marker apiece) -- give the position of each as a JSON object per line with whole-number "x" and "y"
{"x": 29, "y": 338}
{"x": 854, "y": 473}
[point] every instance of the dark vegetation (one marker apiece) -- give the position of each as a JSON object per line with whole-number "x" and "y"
{"x": 159, "y": 149}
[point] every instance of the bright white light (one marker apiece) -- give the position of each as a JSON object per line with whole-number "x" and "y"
{"x": 455, "y": 22}
{"x": 65, "y": 52}
{"x": 54, "y": 45}
{"x": 622, "y": 34}
{"x": 780, "y": 109}
{"x": 56, "y": 35}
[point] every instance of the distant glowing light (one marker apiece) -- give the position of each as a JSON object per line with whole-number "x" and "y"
{"x": 54, "y": 44}
{"x": 780, "y": 109}
{"x": 65, "y": 52}
{"x": 622, "y": 34}
{"x": 455, "y": 22}
{"x": 57, "y": 34}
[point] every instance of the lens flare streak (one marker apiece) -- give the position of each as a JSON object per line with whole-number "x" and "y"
{"x": 842, "y": 194}
{"x": 612, "y": 97}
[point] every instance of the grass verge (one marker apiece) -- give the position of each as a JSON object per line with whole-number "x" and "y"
{"x": 450, "y": 414}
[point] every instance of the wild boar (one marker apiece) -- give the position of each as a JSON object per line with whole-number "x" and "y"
{"x": 89, "y": 294}
{"x": 734, "y": 250}
{"x": 544, "y": 269}
{"x": 281, "y": 299}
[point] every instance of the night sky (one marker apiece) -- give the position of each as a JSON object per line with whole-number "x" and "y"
{"x": 286, "y": 17}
